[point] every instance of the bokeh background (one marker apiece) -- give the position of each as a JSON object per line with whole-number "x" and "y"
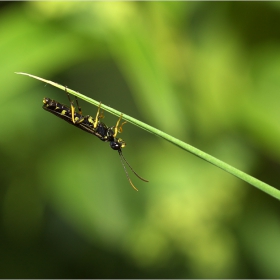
{"x": 207, "y": 73}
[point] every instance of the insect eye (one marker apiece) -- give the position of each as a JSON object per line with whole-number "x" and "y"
{"x": 115, "y": 145}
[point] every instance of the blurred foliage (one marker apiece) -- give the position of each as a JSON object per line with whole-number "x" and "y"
{"x": 207, "y": 73}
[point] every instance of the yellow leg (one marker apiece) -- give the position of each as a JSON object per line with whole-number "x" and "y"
{"x": 73, "y": 110}
{"x": 98, "y": 116}
{"x": 117, "y": 128}
{"x": 79, "y": 108}
{"x": 120, "y": 128}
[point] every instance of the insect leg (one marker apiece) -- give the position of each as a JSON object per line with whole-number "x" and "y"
{"x": 98, "y": 116}
{"x": 117, "y": 127}
{"x": 79, "y": 108}
{"x": 76, "y": 120}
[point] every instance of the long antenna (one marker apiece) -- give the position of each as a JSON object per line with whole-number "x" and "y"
{"x": 123, "y": 158}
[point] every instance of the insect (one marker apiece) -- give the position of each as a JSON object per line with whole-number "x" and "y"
{"x": 91, "y": 125}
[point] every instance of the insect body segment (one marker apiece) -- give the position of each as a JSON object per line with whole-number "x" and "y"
{"x": 91, "y": 125}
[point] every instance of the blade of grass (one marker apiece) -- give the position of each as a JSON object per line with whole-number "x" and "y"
{"x": 228, "y": 168}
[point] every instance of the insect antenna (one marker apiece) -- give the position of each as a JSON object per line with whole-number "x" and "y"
{"x": 123, "y": 158}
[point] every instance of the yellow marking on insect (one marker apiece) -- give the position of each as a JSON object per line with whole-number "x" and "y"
{"x": 120, "y": 141}
{"x": 90, "y": 120}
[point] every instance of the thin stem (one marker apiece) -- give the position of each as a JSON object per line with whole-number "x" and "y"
{"x": 230, "y": 169}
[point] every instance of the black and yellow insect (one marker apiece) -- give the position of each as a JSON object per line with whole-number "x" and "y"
{"x": 91, "y": 125}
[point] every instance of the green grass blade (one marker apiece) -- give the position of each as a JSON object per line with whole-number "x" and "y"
{"x": 230, "y": 169}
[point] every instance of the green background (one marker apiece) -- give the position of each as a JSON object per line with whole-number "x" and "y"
{"x": 207, "y": 73}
